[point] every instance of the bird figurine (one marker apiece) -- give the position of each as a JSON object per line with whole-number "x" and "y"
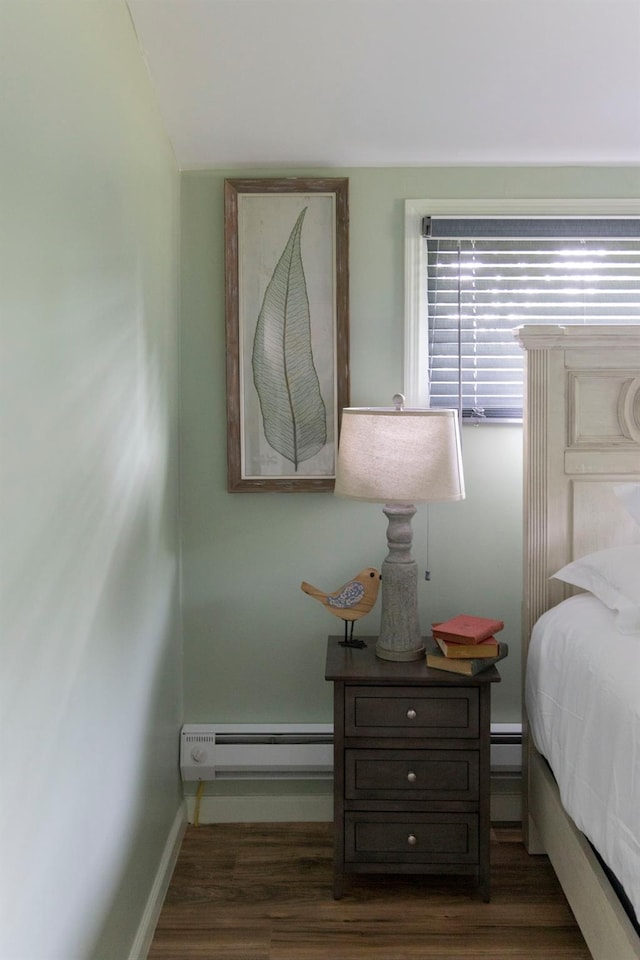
{"x": 349, "y": 602}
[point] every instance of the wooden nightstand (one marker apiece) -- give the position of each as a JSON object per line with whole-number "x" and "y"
{"x": 411, "y": 767}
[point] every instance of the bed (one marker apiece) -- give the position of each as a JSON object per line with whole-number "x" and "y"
{"x": 582, "y": 468}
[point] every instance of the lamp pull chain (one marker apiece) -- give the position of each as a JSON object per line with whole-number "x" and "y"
{"x": 427, "y": 573}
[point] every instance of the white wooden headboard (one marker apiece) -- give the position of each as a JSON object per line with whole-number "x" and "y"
{"x": 582, "y": 437}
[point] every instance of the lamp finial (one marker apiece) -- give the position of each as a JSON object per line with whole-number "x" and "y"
{"x": 398, "y": 401}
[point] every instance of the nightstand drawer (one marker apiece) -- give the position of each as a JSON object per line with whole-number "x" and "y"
{"x": 402, "y": 838}
{"x": 430, "y": 712}
{"x": 412, "y": 775}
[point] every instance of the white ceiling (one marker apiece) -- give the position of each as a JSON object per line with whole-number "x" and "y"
{"x": 395, "y": 82}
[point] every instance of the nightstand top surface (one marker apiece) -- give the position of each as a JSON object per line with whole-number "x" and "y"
{"x": 362, "y": 665}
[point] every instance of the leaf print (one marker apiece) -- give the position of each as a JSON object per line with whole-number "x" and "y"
{"x": 293, "y": 411}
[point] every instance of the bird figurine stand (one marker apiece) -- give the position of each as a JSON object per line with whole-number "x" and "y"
{"x": 353, "y": 600}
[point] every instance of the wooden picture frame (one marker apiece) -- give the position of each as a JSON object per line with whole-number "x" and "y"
{"x": 287, "y": 331}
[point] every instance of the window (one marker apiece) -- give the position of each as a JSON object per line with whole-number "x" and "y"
{"x": 484, "y": 276}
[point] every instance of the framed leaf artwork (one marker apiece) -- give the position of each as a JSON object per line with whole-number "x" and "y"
{"x": 287, "y": 330}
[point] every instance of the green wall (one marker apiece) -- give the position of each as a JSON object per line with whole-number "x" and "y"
{"x": 90, "y": 684}
{"x": 254, "y": 644}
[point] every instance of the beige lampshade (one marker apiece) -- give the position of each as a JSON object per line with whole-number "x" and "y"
{"x": 399, "y": 456}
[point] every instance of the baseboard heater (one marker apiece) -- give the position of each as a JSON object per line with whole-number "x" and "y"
{"x": 506, "y": 749}
{"x": 213, "y": 751}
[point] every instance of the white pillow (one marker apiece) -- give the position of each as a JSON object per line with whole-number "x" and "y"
{"x": 629, "y": 495}
{"x": 613, "y": 576}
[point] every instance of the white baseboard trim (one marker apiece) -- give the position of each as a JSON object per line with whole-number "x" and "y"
{"x": 144, "y": 936}
{"x": 506, "y": 806}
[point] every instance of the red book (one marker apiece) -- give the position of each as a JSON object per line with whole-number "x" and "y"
{"x": 467, "y": 629}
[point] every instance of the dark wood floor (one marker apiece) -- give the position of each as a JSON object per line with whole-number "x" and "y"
{"x": 264, "y": 892}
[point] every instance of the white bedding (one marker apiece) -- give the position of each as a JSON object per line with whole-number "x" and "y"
{"x": 582, "y": 694}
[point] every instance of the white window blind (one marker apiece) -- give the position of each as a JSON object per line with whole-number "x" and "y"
{"x": 488, "y": 276}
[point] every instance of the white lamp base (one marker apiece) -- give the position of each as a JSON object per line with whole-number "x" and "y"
{"x": 400, "y": 638}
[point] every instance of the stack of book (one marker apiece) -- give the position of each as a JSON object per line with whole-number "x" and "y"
{"x": 466, "y": 645}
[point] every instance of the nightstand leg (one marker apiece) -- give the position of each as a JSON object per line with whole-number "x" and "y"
{"x": 484, "y": 883}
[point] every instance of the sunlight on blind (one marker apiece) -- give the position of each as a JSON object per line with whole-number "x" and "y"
{"x": 480, "y": 289}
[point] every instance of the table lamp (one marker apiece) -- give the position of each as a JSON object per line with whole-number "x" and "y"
{"x": 399, "y": 458}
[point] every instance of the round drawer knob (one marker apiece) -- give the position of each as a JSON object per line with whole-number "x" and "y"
{"x": 411, "y": 777}
{"x": 412, "y": 840}
{"x": 411, "y": 714}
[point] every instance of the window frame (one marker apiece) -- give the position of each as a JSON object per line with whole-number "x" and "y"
{"x": 416, "y": 308}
